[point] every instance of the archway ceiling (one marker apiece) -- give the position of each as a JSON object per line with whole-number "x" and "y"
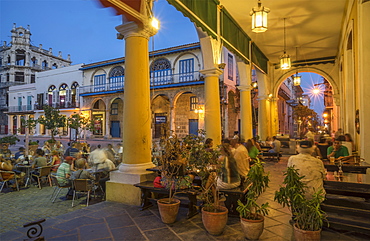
{"x": 314, "y": 26}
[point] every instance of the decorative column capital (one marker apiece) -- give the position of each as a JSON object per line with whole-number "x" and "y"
{"x": 263, "y": 97}
{"x": 244, "y": 87}
{"x": 132, "y": 29}
{"x": 211, "y": 72}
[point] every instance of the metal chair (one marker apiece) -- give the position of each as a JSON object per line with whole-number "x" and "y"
{"x": 43, "y": 172}
{"x": 57, "y": 188}
{"x": 6, "y": 176}
{"x": 81, "y": 185}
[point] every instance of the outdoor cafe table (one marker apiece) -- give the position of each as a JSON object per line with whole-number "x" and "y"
{"x": 348, "y": 166}
{"x": 348, "y": 184}
{"x": 27, "y": 170}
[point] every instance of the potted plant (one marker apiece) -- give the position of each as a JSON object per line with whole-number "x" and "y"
{"x": 251, "y": 213}
{"x": 203, "y": 161}
{"x": 307, "y": 214}
{"x": 172, "y": 166}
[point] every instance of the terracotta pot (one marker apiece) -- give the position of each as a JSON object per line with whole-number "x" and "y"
{"x": 253, "y": 229}
{"x": 215, "y": 222}
{"x": 306, "y": 235}
{"x": 168, "y": 211}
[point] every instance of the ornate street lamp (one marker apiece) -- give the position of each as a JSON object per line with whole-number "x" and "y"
{"x": 259, "y": 18}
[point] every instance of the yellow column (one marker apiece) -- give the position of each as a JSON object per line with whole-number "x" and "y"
{"x": 246, "y": 112}
{"x": 274, "y": 116}
{"x": 364, "y": 90}
{"x": 136, "y": 113}
{"x": 107, "y": 123}
{"x": 212, "y": 113}
{"x": 263, "y": 117}
{"x": 137, "y": 137}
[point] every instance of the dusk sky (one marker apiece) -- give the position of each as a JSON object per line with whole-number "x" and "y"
{"x": 86, "y": 30}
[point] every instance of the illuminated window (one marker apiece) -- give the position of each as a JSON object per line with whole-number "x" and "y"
{"x": 193, "y": 103}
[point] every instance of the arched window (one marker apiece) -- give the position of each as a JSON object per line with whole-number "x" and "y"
{"x": 63, "y": 96}
{"x": 160, "y": 72}
{"x": 74, "y": 94}
{"x": 51, "y": 93}
{"x": 116, "y": 78}
{"x": 20, "y": 57}
{"x": 44, "y": 65}
{"x": 55, "y": 66}
{"x": 33, "y": 62}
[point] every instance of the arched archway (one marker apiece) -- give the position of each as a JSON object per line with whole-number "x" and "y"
{"x": 312, "y": 69}
{"x": 161, "y": 113}
{"x": 189, "y": 114}
{"x": 115, "y": 117}
{"x": 300, "y": 108}
{"x": 98, "y": 117}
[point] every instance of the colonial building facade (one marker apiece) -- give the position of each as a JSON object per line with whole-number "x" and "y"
{"x": 19, "y": 63}
{"x": 97, "y": 90}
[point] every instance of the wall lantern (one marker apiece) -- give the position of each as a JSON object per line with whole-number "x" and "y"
{"x": 259, "y": 18}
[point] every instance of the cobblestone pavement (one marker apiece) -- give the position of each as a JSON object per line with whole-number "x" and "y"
{"x": 116, "y": 221}
{"x": 30, "y": 204}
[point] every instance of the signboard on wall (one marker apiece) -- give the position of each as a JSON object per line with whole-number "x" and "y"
{"x": 160, "y": 119}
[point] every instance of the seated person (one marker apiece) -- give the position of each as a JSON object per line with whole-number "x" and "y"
{"x": 276, "y": 144}
{"x": 310, "y": 168}
{"x": 5, "y": 165}
{"x": 81, "y": 172}
{"x": 337, "y": 150}
{"x": 99, "y": 162}
{"x": 20, "y": 152}
{"x": 229, "y": 177}
{"x": 55, "y": 160}
{"x": 64, "y": 172}
{"x": 252, "y": 150}
{"x": 72, "y": 150}
{"x": 5, "y": 151}
{"x": 39, "y": 161}
{"x": 345, "y": 143}
{"x": 323, "y": 146}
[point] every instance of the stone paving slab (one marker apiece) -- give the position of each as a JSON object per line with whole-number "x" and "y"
{"x": 116, "y": 221}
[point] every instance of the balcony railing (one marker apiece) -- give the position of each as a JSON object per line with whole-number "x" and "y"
{"x": 20, "y": 108}
{"x": 154, "y": 81}
{"x": 58, "y": 106}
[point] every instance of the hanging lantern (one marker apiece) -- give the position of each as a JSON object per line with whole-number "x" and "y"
{"x": 297, "y": 80}
{"x": 285, "y": 61}
{"x": 259, "y": 18}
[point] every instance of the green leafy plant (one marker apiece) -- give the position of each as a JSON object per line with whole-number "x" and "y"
{"x": 257, "y": 181}
{"x": 80, "y": 123}
{"x": 33, "y": 143}
{"x": 172, "y": 163}
{"x": 9, "y": 139}
{"x": 203, "y": 162}
{"x": 52, "y": 120}
{"x": 307, "y": 213}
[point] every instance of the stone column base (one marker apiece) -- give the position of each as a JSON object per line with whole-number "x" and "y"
{"x": 121, "y": 187}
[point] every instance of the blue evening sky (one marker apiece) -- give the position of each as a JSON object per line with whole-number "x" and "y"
{"x": 86, "y": 30}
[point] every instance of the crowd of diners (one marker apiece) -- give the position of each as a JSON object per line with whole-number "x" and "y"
{"x": 77, "y": 161}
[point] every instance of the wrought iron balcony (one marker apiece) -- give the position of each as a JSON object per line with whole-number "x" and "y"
{"x": 62, "y": 105}
{"x": 20, "y": 108}
{"x": 158, "y": 80}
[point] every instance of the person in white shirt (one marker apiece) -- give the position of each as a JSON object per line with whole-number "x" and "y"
{"x": 310, "y": 168}
{"x": 276, "y": 144}
{"x": 241, "y": 156}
